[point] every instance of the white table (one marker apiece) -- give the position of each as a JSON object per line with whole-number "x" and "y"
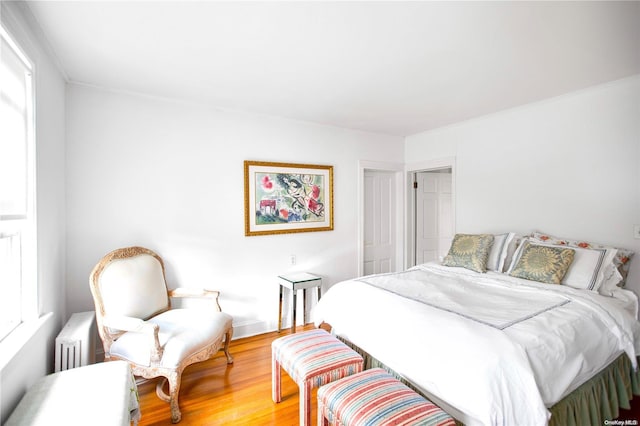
{"x": 294, "y": 282}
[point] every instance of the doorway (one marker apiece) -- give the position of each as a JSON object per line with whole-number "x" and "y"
{"x": 430, "y": 211}
{"x": 433, "y": 224}
{"x": 381, "y": 224}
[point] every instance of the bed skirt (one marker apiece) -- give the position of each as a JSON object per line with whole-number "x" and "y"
{"x": 593, "y": 402}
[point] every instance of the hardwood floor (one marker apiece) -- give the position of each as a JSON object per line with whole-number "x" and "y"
{"x": 214, "y": 393}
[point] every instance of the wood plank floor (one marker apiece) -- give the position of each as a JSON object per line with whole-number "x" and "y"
{"x": 214, "y": 393}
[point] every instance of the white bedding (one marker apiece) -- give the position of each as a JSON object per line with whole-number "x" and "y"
{"x": 487, "y": 362}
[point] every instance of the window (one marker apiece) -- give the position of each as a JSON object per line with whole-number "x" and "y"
{"x": 17, "y": 188}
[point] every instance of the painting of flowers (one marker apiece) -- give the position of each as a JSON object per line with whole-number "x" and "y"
{"x": 284, "y": 198}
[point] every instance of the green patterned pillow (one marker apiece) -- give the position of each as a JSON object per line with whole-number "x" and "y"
{"x": 470, "y": 251}
{"x": 543, "y": 263}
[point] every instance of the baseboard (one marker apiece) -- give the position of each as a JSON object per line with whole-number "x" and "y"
{"x": 251, "y": 328}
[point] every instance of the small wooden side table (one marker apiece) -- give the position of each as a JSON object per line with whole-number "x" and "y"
{"x": 294, "y": 282}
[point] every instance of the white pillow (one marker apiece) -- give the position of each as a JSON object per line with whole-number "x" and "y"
{"x": 589, "y": 269}
{"x": 515, "y": 254}
{"x": 611, "y": 280}
{"x": 510, "y": 250}
{"x": 498, "y": 252}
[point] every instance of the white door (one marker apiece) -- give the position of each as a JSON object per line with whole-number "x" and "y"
{"x": 379, "y": 222}
{"x": 434, "y": 215}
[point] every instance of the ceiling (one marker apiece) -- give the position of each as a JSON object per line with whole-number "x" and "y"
{"x": 393, "y": 67}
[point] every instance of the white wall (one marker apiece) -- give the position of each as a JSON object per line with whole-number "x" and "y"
{"x": 35, "y": 358}
{"x": 169, "y": 176}
{"x": 567, "y": 166}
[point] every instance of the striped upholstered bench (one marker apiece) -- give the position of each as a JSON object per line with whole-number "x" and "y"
{"x": 311, "y": 358}
{"x": 375, "y": 398}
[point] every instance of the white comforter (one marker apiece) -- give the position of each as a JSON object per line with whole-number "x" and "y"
{"x": 493, "y": 360}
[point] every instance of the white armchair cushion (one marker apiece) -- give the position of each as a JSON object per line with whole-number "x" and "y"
{"x": 134, "y": 287}
{"x": 183, "y": 332}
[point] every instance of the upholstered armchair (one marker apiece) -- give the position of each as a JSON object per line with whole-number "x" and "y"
{"x": 137, "y": 324}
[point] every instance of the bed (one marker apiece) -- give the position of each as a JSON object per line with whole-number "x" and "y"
{"x": 494, "y": 348}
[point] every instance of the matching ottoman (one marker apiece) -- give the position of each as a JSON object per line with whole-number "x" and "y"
{"x": 311, "y": 358}
{"x": 375, "y": 398}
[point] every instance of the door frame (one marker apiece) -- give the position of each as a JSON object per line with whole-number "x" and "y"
{"x": 398, "y": 170}
{"x": 410, "y": 205}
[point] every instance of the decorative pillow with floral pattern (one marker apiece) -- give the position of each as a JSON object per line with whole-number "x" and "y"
{"x": 621, "y": 260}
{"x": 470, "y": 251}
{"x": 542, "y": 263}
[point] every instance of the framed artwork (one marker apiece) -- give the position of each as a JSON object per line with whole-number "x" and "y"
{"x": 282, "y": 198}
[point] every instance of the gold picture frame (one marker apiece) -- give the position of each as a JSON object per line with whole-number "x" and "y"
{"x": 281, "y": 198}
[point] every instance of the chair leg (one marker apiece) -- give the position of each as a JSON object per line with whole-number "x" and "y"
{"x": 227, "y": 340}
{"x": 172, "y": 398}
{"x": 160, "y": 390}
{"x": 174, "y": 390}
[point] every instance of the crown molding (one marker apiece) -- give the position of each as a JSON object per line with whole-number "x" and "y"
{"x": 19, "y": 21}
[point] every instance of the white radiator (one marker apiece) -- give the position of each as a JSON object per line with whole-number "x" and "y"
{"x": 76, "y": 343}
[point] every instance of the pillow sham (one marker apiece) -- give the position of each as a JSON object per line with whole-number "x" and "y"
{"x": 470, "y": 251}
{"x": 511, "y": 250}
{"x": 611, "y": 281}
{"x": 590, "y": 267}
{"x": 621, "y": 260}
{"x": 498, "y": 252}
{"x": 542, "y": 263}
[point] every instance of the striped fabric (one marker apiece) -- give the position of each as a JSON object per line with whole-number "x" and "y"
{"x": 375, "y": 398}
{"x": 311, "y": 358}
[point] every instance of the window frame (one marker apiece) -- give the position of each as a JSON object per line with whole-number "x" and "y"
{"x": 25, "y": 224}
